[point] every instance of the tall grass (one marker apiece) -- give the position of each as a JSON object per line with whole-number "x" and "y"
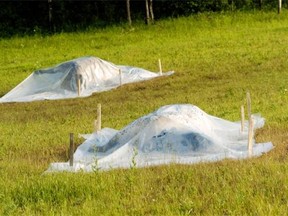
{"x": 216, "y": 58}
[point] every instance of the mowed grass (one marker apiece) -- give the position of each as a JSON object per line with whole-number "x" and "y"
{"x": 217, "y": 58}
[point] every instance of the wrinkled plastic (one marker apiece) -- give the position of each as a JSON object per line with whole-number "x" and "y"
{"x": 180, "y": 133}
{"x": 59, "y": 82}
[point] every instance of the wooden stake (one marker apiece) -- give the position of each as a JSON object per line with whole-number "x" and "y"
{"x": 120, "y": 77}
{"x": 250, "y": 137}
{"x": 98, "y": 121}
{"x": 251, "y": 125}
{"x": 78, "y": 84}
{"x": 160, "y": 66}
{"x": 71, "y": 149}
{"x": 248, "y": 105}
{"x": 242, "y": 118}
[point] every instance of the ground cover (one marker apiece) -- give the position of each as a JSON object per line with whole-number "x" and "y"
{"x": 216, "y": 58}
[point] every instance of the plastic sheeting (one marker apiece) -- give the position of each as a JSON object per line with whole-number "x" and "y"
{"x": 59, "y": 82}
{"x": 180, "y": 133}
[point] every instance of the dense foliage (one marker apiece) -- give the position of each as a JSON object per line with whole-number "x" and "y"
{"x": 22, "y": 17}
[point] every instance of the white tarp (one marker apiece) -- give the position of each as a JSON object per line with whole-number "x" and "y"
{"x": 61, "y": 81}
{"x": 180, "y": 133}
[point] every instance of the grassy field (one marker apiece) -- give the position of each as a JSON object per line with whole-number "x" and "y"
{"x": 216, "y": 59}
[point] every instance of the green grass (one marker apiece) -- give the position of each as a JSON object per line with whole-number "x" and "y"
{"x": 216, "y": 58}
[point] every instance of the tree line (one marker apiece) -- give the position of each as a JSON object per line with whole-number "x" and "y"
{"x": 50, "y": 16}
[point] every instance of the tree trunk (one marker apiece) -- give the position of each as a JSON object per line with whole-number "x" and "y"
{"x": 147, "y": 12}
{"x": 128, "y": 12}
{"x": 50, "y": 14}
{"x": 232, "y": 5}
{"x": 151, "y": 11}
{"x": 279, "y": 6}
{"x": 260, "y": 4}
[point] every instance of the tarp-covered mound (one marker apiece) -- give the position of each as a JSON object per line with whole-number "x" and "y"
{"x": 172, "y": 134}
{"x": 62, "y": 81}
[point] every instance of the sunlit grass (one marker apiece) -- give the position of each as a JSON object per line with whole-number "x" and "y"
{"x": 216, "y": 58}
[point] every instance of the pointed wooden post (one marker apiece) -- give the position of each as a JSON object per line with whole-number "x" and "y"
{"x": 71, "y": 149}
{"x": 242, "y": 118}
{"x": 78, "y": 84}
{"x": 248, "y": 105}
{"x": 120, "y": 77}
{"x": 160, "y": 66}
{"x": 250, "y": 137}
{"x": 251, "y": 126}
{"x": 98, "y": 120}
